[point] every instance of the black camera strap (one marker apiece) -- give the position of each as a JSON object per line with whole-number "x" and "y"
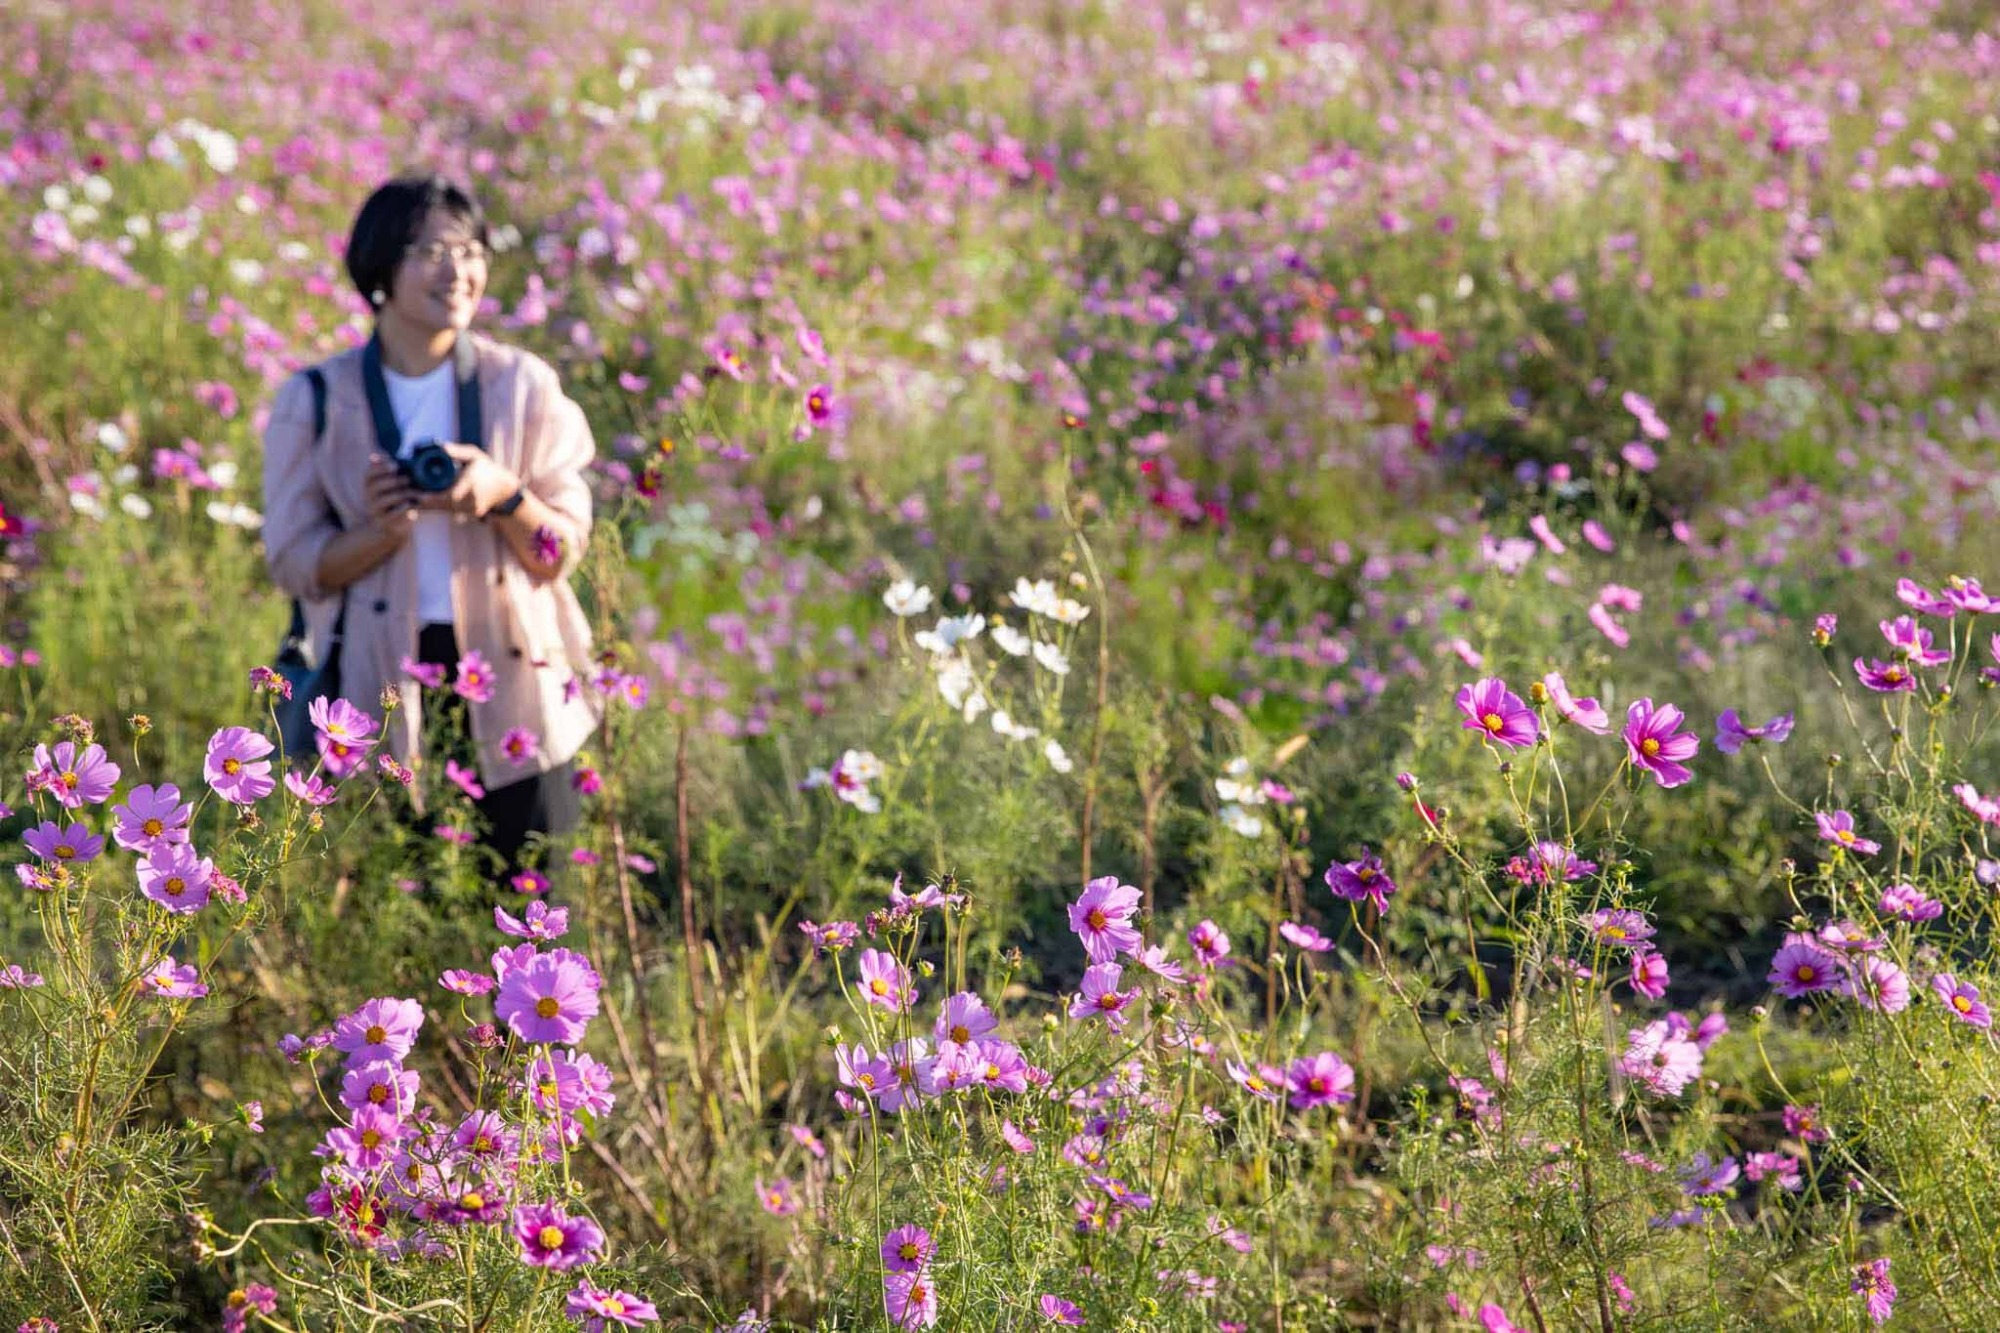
{"x": 388, "y": 436}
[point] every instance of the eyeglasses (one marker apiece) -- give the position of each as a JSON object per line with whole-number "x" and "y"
{"x": 461, "y": 252}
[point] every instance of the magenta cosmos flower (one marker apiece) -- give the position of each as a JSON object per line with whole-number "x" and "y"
{"x": 1885, "y": 677}
{"x": 1649, "y": 973}
{"x": 1586, "y": 713}
{"x": 474, "y": 681}
{"x": 907, "y": 1249}
{"x": 1209, "y": 942}
{"x": 606, "y": 1307}
{"x": 1497, "y": 713}
{"x": 1661, "y": 1059}
{"x": 1655, "y": 744}
{"x": 1803, "y": 966}
{"x": 150, "y": 816}
{"x": 886, "y": 982}
{"x": 339, "y": 720}
{"x": 1732, "y": 735}
{"x": 550, "y": 998}
{"x": 173, "y": 981}
{"x": 1838, "y": 829}
{"x": 384, "y": 1028}
{"x": 76, "y": 778}
{"x": 1102, "y": 919}
{"x": 1878, "y": 984}
{"x": 1962, "y": 998}
{"x": 236, "y": 767}
{"x": 1319, "y": 1080}
{"x": 1361, "y": 880}
{"x": 71, "y": 843}
{"x": 1056, "y": 1310}
{"x": 520, "y": 745}
{"x": 1618, "y": 927}
{"x": 177, "y": 879}
{"x": 1872, "y": 1284}
{"x": 551, "y": 1238}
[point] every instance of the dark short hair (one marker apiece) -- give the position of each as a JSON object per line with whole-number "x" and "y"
{"x": 392, "y": 219}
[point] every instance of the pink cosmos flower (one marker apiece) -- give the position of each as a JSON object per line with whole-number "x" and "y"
{"x": 310, "y": 788}
{"x": 369, "y": 1141}
{"x": 384, "y": 1028}
{"x": 907, "y": 1249}
{"x": 1803, "y": 966}
{"x": 1987, "y": 808}
{"x": 151, "y": 816}
{"x": 1265, "y": 1082}
{"x": 548, "y": 1237}
{"x": 465, "y": 779}
{"x": 886, "y": 982}
{"x": 1659, "y": 1060}
{"x": 1497, "y": 713}
{"x": 539, "y": 922}
{"x": 16, "y": 977}
{"x": 1586, "y": 713}
{"x": 1962, "y": 999}
{"x": 474, "y": 681}
{"x": 965, "y": 1018}
{"x": 602, "y": 1306}
{"x": 72, "y": 844}
{"x": 910, "y": 1299}
{"x": 549, "y": 998}
{"x": 76, "y": 778}
{"x": 1921, "y": 599}
{"x": 779, "y": 1198}
{"x": 236, "y": 768}
{"x": 175, "y": 982}
{"x": 382, "y": 1083}
{"x": 1731, "y": 734}
{"x": 1102, "y": 919}
{"x": 1210, "y": 944}
{"x": 461, "y": 982}
{"x": 1607, "y": 625}
{"x": 177, "y": 879}
{"x": 1304, "y": 937}
{"x": 1905, "y": 903}
{"x": 430, "y": 675}
{"x": 1319, "y": 1080}
{"x": 1649, "y": 973}
{"x": 1654, "y": 743}
{"x": 1594, "y": 533}
{"x": 520, "y": 745}
{"x": 1100, "y": 996}
{"x": 1878, "y": 984}
{"x": 1838, "y": 829}
{"x": 339, "y": 720}
{"x": 1618, "y": 927}
{"x": 1913, "y": 643}
{"x": 1781, "y": 1169}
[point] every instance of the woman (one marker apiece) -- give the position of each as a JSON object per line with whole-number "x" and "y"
{"x": 434, "y": 576}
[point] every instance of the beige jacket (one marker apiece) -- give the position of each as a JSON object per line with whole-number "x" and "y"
{"x": 531, "y": 631}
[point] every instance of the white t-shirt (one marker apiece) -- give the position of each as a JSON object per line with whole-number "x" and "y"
{"x": 426, "y": 408}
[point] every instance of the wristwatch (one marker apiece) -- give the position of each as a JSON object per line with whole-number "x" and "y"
{"x": 511, "y": 503}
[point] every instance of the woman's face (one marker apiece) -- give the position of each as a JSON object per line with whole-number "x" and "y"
{"x": 441, "y": 277}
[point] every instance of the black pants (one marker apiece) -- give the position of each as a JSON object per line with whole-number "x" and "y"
{"x": 543, "y": 803}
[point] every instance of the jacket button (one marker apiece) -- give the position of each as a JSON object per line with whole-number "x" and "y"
{"x": 381, "y": 605}
{"x": 514, "y": 652}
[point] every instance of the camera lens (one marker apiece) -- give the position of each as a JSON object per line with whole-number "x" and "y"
{"x": 430, "y": 468}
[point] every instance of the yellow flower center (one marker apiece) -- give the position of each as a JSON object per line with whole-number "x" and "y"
{"x": 878, "y": 987}
{"x": 232, "y": 766}
{"x": 550, "y": 1237}
{"x": 483, "y": 1144}
{"x": 153, "y": 828}
{"x": 1961, "y": 1003}
{"x": 65, "y": 852}
{"x": 1650, "y": 748}
{"x": 1493, "y": 722}
{"x": 1845, "y": 834}
{"x": 961, "y": 1034}
{"x": 909, "y": 1251}
{"x": 1614, "y": 932}
{"x": 472, "y": 1201}
{"x": 612, "y": 1305}
{"x": 547, "y": 1007}
{"x": 1097, "y": 919}
{"x": 378, "y": 1094}
{"x": 371, "y": 1139}
{"x": 1806, "y": 973}
{"x": 376, "y": 1035}
{"x": 176, "y": 886}
{"x": 70, "y": 780}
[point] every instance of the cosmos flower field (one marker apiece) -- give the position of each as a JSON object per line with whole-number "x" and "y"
{"x": 1267, "y": 666}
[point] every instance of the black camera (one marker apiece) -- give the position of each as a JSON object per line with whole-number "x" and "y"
{"x": 429, "y": 467}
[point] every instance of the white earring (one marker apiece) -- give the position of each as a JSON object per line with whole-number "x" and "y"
{"x": 377, "y": 297}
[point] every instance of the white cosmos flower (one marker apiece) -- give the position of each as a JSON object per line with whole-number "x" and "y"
{"x": 954, "y": 680}
{"x": 1068, "y": 611}
{"x": 1237, "y": 767}
{"x": 1242, "y": 821}
{"x": 1010, "y": 640}
{"x": 138, "y": 506}
{"x": 1058, "y": 757}
{"x": 223, "y": 473}
{"x": 1053, "y": 658}
{"x": 905, "y": 599}
{"x": 236, "y": 515}
{"x": 949, "y": 632}
{"x": 111, "y": 437}
{"x": 96, "y": 189}
{"x": 1241, "y": 791}
{"x": 976, "y": 704}
{"x": 861, "y": 765}
{"x": 1037, "y": 597}
{"x": 1012, "y": 730}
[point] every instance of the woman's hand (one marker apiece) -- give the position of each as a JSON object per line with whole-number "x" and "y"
{"x": 392, "y": 501}
{"x": 482, "y": 483}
